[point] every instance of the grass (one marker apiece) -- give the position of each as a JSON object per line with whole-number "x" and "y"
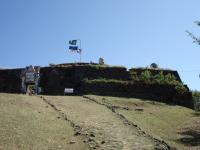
{"x": 160, "y": 120}
{"x": 101, "y": 122}
{"x": 28, "y": 123}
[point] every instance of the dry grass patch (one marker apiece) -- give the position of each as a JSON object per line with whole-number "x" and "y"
{"x": 102, "y": 125}
{"x": 28, "y": 123}
{"x": 160, "y": 120}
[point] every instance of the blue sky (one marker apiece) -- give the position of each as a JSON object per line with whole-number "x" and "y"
{"x": 132, "y": 33}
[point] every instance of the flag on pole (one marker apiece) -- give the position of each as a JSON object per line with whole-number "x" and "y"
{"x": 75, "y": 48}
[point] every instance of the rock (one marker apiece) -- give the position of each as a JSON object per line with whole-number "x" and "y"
{"x": 161, "y": 147}
{"x": 102, "y": 142}
{"x": 135, "y": 125}
{"x": 139, "y": 109}
{"x": 77, "y": 130}
{"x": 72, "y": 142}
{"x": 92, "y": 135}
{"x": 90, "y": 139}
{"x": 92, "y": 145}
{"x": 77, "y": 133}
{"x": 126, "y": 108}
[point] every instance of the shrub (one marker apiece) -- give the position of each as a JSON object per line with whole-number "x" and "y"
{"x": 146, "y": 76}
{"x": 196, "y": 99}
{"x": 195, "y": 94}
{"x": 98, "y": 66}
{"x": 180, "y": 87}
{"x": 134, "y": 75}
{"x": 103, "y": 80}
{"x": 170, "y": 78}
{"x": 159, "y": 78}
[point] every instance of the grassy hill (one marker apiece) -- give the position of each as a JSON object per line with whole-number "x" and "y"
{"x": 176, "y": 125}
{"x": 94, "y": 122}
{"x": 27, "y": 123}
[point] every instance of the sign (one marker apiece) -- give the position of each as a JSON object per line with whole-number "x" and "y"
{"x": 30, "y": 77}
{"x": 68, "y": 91}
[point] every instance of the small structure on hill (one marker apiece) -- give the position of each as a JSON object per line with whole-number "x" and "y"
{"x": 30, "y": 79}
{"x": 101, "y": 61}
{"x": 154, "y": 65}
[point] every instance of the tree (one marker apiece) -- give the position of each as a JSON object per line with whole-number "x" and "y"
{"x": 195, "y": 39}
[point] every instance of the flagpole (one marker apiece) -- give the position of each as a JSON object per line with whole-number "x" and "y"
{"x": 80, "y": 49}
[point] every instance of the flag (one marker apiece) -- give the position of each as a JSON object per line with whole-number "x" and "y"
{"x": 79, "y": 51}
{"x": 72, "y": 42}
{"x": 73, "y": 48}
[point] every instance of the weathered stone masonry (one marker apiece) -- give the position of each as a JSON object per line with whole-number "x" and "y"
{"x": 54, "y": 79}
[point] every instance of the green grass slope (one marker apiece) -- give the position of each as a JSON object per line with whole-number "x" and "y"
{"x": 108, "y": 131}
{"x": 178, "y": 126}
{"x": 27, "y": 123}
{"x": 78, "y": 123}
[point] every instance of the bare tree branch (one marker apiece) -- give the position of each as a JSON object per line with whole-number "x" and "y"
{"x": 195, "y": 39}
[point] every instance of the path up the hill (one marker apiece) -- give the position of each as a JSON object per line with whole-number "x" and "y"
{"x": 103, "y": 129}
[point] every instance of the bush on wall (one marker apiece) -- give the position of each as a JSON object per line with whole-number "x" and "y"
{"x": 196, "y": 99}
{"x": 146, "y": 76}
{"x": 160, "y": 79}
{"x": 153, "y": 91}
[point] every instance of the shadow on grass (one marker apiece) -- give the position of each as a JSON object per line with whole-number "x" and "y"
{"x": 191, "y": 137}
{"x": 196, "y": 114}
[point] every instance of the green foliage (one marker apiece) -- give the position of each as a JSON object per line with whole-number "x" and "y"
{"x": 160, "y": 78}
{"x": 103, "y": 80}
{"x": 134, "y": 75}
{"x": 98, "y": 66}
{"x": 180, "y": 87}
{"x": 170, "y": 78}
{"x": 146, "y": 76}
{"x": 196, "y": 99}
{"x": 195, "y": 94}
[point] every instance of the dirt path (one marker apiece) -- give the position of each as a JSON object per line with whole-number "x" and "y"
{"x": 101, "y": 127}
{"x": 159, "y": 143}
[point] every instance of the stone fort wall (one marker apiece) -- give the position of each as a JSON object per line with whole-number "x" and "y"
{"x": 54, "y": 79}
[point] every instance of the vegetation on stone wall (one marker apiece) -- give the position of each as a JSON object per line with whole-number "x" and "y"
{"x": 109, "y": 80}
{"x": 160, "y": 79}
{"x": 168, "y": 93}
{"x": 196, "y": 99}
